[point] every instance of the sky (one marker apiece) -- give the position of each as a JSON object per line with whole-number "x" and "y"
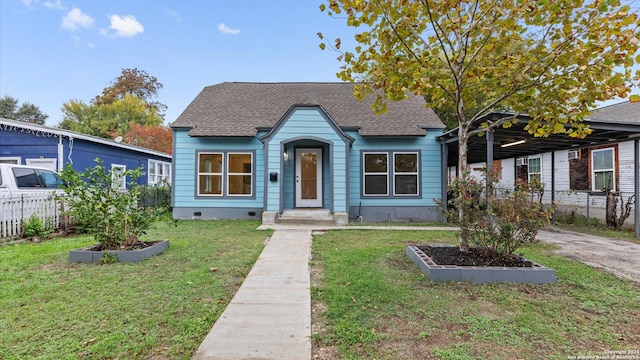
{"x": 54, "y": 51}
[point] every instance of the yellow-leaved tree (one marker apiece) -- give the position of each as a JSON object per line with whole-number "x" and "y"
{"x": 553, "y": 60}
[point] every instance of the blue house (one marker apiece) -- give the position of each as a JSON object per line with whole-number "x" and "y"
{"x": 29, "y": 144}
{"x": 269, "y": 150}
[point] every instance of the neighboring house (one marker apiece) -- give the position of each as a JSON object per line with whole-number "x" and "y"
{"x": 258, "y": 150}
{"x": 29, "y": 144}
{"x": 581, "y": 172}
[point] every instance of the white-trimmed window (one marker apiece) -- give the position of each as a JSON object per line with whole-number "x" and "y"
{"x": 159, "y": 172}
{"x": 239, "y": 174}
{"x": 10, "y": 160}
{"x": 602, "y": 169}
{"x": 397, "y": 172}
{"x": 376, "y": 174}
{"x": 117, "y": 176}
{"x": 535, "y": 168}
{"x": 210, "y": 167}
{"x": 225, "y": 174}
{"x": 405, "y": 174}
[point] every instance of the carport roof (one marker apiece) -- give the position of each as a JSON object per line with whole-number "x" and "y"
{"x": 612, "y": 124}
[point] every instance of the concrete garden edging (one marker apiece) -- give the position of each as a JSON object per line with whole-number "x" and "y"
{"x": 86, "y": 255}
{"x": 537, "y": 274}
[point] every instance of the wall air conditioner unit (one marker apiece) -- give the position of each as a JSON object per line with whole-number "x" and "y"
{"x": 573, "y": 154}
{"x": 522, "y": 161}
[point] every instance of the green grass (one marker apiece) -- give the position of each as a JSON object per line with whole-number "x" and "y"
{"x": 379, "y": 306}
{"x": 160, "y": 308}
{"x": 579, "y": 223}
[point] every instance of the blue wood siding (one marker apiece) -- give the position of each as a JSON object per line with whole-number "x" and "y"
{"x": 309, "y": 125}
{"x": 80, "y": 153}
{"x": 185, "y": 170}
{"x": 430, "y": 178}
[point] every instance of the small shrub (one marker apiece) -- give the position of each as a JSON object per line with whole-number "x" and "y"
{"x": 113, "y": 216}
{"x": 33, "y": 226}
{"x": 498, "y": 223}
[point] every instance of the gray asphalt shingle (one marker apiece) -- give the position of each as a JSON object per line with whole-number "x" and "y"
{"x": 240, "y": 109}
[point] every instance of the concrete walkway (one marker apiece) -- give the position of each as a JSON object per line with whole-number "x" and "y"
{"x": 270, "y": 315}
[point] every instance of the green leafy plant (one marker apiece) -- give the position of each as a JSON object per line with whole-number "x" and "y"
{"x": 98, "y": 206}
{"x": 33, "y": 226}
{"x": 109, "y": 258}
{"x": 498, "y": 222}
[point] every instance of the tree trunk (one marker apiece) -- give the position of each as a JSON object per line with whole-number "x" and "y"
{"x": 462, "y": 169}
{"x": 611, "y": 216}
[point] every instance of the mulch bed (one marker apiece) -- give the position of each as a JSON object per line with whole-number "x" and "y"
{"x": 451, "y": 255}
{"x": 137, "y": 246}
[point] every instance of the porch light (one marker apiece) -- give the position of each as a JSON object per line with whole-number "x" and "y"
{"x": 513, "y": 143}
{"x": 285, "y": 155}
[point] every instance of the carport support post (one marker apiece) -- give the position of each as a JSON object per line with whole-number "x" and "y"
{"x": 444, "y": 178}
{"x": 636, "y": 186}
{"x": 489, "y": 135}
{"x": 553, "y": 185}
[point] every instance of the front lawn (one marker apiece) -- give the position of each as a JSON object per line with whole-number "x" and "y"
{"x": 371, "y": 302}
{"x": 161, "y": 308}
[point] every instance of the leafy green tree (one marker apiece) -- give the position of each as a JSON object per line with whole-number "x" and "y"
{"x": 552, "y": 60}
{"x": 26, "y": 112}
{"x": 108, "y": 120}
{"x": 133, "y": 82}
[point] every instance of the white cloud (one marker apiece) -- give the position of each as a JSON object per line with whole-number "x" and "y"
{"x": 227, "y": 30}
{"x": 30, "y": 4}
{"x": 54, "y": 5}
{"x": 76, "y": 19}
{"x": 175, "y": 15}
{"x": 125, "y": 26}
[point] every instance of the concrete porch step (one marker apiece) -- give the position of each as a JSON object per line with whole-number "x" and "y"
{"x": 305, "y": 217}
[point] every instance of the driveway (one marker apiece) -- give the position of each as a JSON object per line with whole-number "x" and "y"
{"x": 620, "y": 257}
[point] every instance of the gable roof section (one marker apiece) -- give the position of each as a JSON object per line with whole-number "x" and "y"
{"x": 7, "y": 124}
{"x": 240, "y": 109}
{"x": 626, "y": 113}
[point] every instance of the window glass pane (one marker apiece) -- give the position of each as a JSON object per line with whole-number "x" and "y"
{"x": 375, "y": 162}
{"x": 210, "y": 185}
{"x": 375, "y": 184}
{"x": 603, "y": 159}
{"x": 603, "y": 179}
{"x": 406, "y": 184}
{"x": 240, "y": 163}
{"x": 152, "y": 167}
{"x": 240, "y": 185}
{"x": 210, "y": 163}
{"x": 534, "y": 165}
{"x": 406, "y": 162}
{"x": 50, "y": 179}
{"x": 26, "y": 178}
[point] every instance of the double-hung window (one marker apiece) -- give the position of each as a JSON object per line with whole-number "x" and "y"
{"x": 159, "y": 172}
{"x": 602, "y": 165}
{"x": 119, "y": 180}
{"x": 376, "y": 174}
{"x": 535, "y": 168}
{"x": 239, "y": 174}
{"x": 225, "y": 174}
{"x": 388, "y": 173}
{"x": 405, "y": 170}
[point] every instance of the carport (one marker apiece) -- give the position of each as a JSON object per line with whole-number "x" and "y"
{"x": 492, "y": 147}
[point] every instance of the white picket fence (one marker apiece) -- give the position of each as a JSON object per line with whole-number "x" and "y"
{"x": 14, "y": 209}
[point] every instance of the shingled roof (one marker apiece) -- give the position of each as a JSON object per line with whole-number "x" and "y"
{"x": 625, "y": 112}
{"x": 240, "y": 109}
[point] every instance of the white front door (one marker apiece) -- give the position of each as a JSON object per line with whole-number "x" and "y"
{"x": 308, "y": 178}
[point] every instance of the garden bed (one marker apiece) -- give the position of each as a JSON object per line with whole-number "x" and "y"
{"x": 448, "y": 263}
{"x": 142, "y": 251}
